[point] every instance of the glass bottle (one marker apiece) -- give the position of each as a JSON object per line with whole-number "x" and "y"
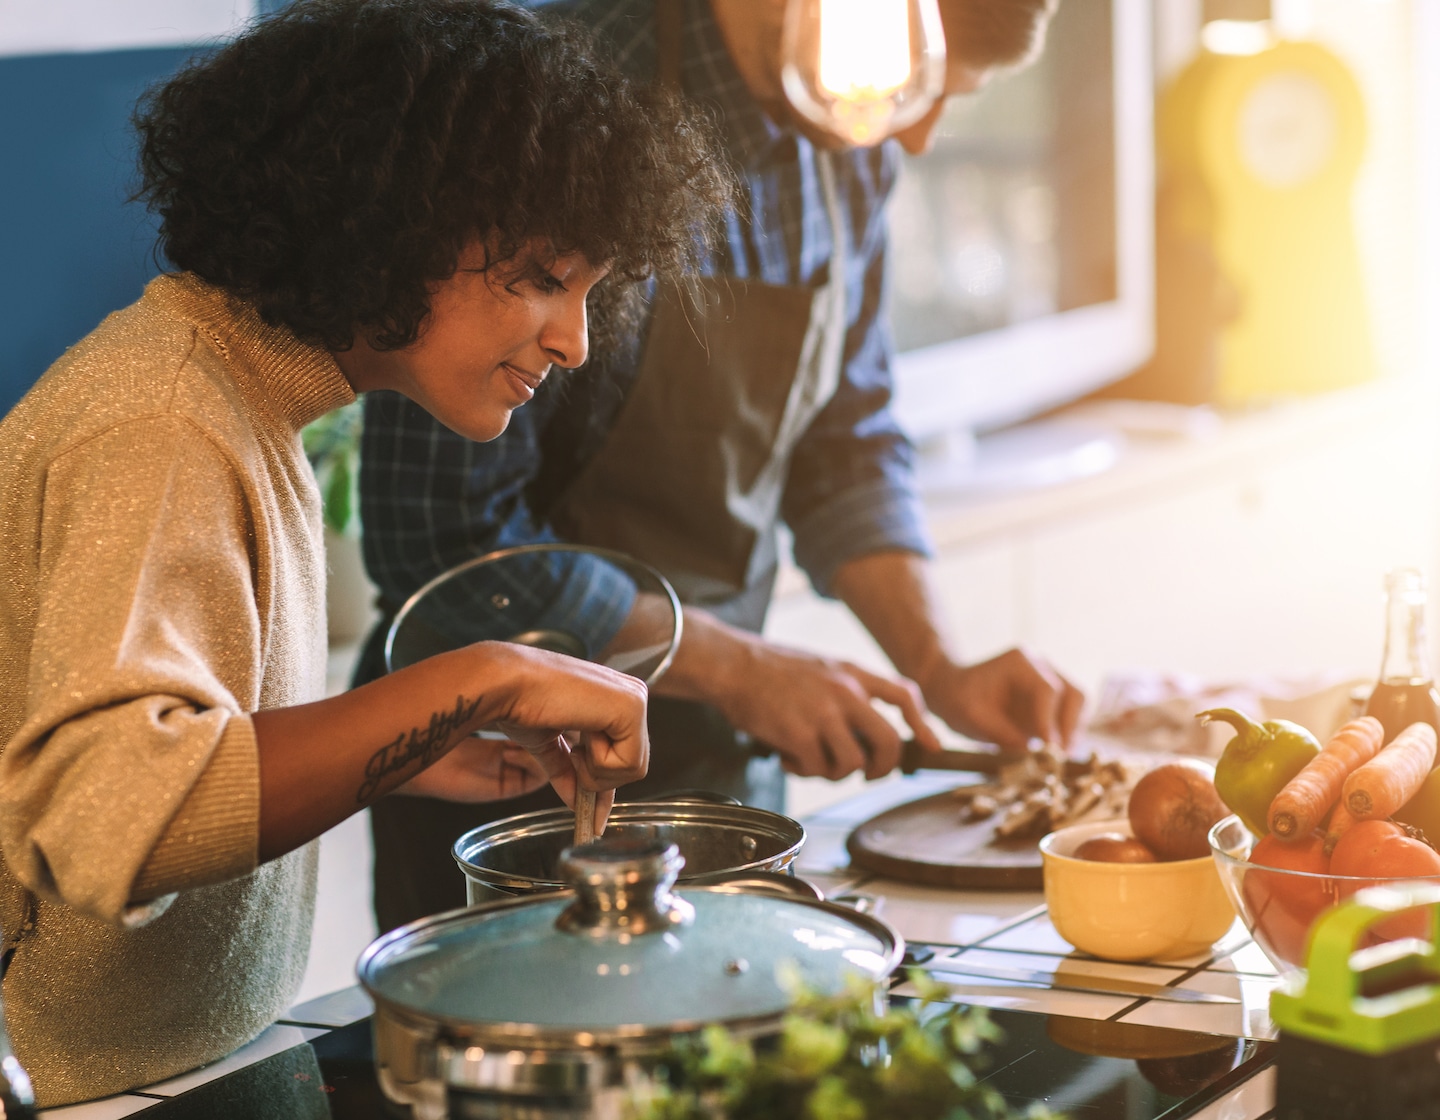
{"x": 1406, "y": 692}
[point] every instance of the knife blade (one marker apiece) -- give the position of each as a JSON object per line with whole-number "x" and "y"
{"x": 1071, "y": 982}
{"x": 914, "y": 757}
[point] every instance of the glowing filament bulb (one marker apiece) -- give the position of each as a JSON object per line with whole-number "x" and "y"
{"x": 864, "y": 47}
{"x": 862, "y": 69}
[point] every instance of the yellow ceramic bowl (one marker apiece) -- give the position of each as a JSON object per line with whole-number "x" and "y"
{"x": 1132, "y": 911}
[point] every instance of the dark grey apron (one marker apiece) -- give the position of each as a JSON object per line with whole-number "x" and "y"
{"x": 691, "y": 476}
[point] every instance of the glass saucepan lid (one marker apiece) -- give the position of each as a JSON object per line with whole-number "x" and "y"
{"x": 591, "y": 603}
{"x": 621, "y": 955}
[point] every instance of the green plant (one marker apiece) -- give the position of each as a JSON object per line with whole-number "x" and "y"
{"x": 332, "y": 444}
{"x": 837, "y": 1058}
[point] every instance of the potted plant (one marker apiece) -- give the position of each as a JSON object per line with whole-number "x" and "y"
{"x": 332, "y": 444}
{"x": 838, "y": 1058}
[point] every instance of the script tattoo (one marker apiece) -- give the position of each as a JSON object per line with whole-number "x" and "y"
{"x": 425, "y": 743}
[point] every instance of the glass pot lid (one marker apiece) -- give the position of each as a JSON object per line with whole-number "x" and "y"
{"x": 586, "y": 602}
{"x": 623, "y": 955}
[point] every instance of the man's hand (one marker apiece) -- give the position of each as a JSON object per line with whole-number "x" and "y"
{"x": 1008, "y": 700}
{"x": 818, "y": 713}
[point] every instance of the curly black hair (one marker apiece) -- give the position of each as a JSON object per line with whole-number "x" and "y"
{"x": 330, "y": 163}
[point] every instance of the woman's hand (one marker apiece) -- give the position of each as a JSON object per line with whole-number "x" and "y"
{"x": 604, "y": 743}
{"x": 479, "y": 770}
{"x": 320, "y": 762}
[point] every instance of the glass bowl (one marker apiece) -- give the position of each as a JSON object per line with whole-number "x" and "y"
{"x": 1280, "y": 906}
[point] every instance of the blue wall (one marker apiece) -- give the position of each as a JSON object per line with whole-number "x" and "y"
{"x": 71, "y": 248}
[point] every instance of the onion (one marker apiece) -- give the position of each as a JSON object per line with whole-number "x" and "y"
{"x": 1111, "y": 847}
{"x": 1173, "y": 807}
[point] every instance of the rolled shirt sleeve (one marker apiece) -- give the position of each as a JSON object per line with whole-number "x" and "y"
{"x": 876, "y": 516}
{"x": 135, "y": 772}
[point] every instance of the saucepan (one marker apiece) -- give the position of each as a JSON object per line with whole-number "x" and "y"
{"x": 553, "y": 1005}
{"x": 604, "y": 606}
{"x": 523, "y": 855}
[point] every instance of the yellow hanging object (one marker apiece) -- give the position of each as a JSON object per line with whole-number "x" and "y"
{"x": 1262, "y": 150}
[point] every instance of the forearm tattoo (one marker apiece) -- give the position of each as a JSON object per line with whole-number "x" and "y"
{"x": 425, "y": 743}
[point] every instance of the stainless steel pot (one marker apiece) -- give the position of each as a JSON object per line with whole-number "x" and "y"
{"x": 551, "y": 1006}
{"x": 521, "y": 855}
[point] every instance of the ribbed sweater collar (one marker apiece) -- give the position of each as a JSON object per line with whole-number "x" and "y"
{"x": 300, "y": 381}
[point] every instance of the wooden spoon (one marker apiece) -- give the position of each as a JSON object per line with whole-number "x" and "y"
{"x": 584, "y": 814}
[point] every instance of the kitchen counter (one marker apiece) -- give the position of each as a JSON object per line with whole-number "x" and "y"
{"x": 1011, "y": 929}
{"x": 315, "y": 1064}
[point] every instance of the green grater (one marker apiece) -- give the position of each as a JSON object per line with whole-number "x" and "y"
{"x": 1360, "y": 1027}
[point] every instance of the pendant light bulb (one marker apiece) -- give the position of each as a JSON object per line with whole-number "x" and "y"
{"x": 863, "y": 70}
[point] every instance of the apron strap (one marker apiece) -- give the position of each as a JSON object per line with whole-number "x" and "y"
{"x": 815, "y": 393}
{"x": 669, "y": 24}
{"x": 840, "y": 240}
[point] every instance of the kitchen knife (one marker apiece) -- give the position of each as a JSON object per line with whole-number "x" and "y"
{"x": 914, "y": 757}
{"x": 1072, "y": 982}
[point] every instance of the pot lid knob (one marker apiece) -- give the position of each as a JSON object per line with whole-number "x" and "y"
{"x": 623, "y": 888}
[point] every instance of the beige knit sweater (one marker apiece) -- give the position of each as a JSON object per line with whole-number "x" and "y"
{"x": 162, "y": 574}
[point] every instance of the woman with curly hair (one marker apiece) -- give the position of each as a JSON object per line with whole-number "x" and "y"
{"x": 415, "y": 195}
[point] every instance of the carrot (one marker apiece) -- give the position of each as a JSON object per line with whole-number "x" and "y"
{"x": 1298, "y": 807}
{"x": 1340, "y": 822}
{"x": 1393, "y": 776}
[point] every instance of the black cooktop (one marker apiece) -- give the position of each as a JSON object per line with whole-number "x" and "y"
{"x": 1087, "y": 1069}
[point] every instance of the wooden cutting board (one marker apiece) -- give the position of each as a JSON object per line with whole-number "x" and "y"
{"x": 928, "y": 842}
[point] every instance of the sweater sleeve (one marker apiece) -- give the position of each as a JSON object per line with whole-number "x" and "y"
{"x": 135, "y": 772}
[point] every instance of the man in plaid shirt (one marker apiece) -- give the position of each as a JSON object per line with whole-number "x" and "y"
{"x": 811, "y": 227}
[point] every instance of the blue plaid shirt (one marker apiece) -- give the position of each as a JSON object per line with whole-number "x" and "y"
{"x": 431, "y": 499}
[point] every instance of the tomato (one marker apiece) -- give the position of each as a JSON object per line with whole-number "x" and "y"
{"x": 1381, "y": 850}
{"x": 1423, "y": 810}
{"x": 1284, "y": 907}
{"x": 1378, "y": 850}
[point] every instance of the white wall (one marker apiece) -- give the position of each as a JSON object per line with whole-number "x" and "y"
{"x": 65, "y": 26}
